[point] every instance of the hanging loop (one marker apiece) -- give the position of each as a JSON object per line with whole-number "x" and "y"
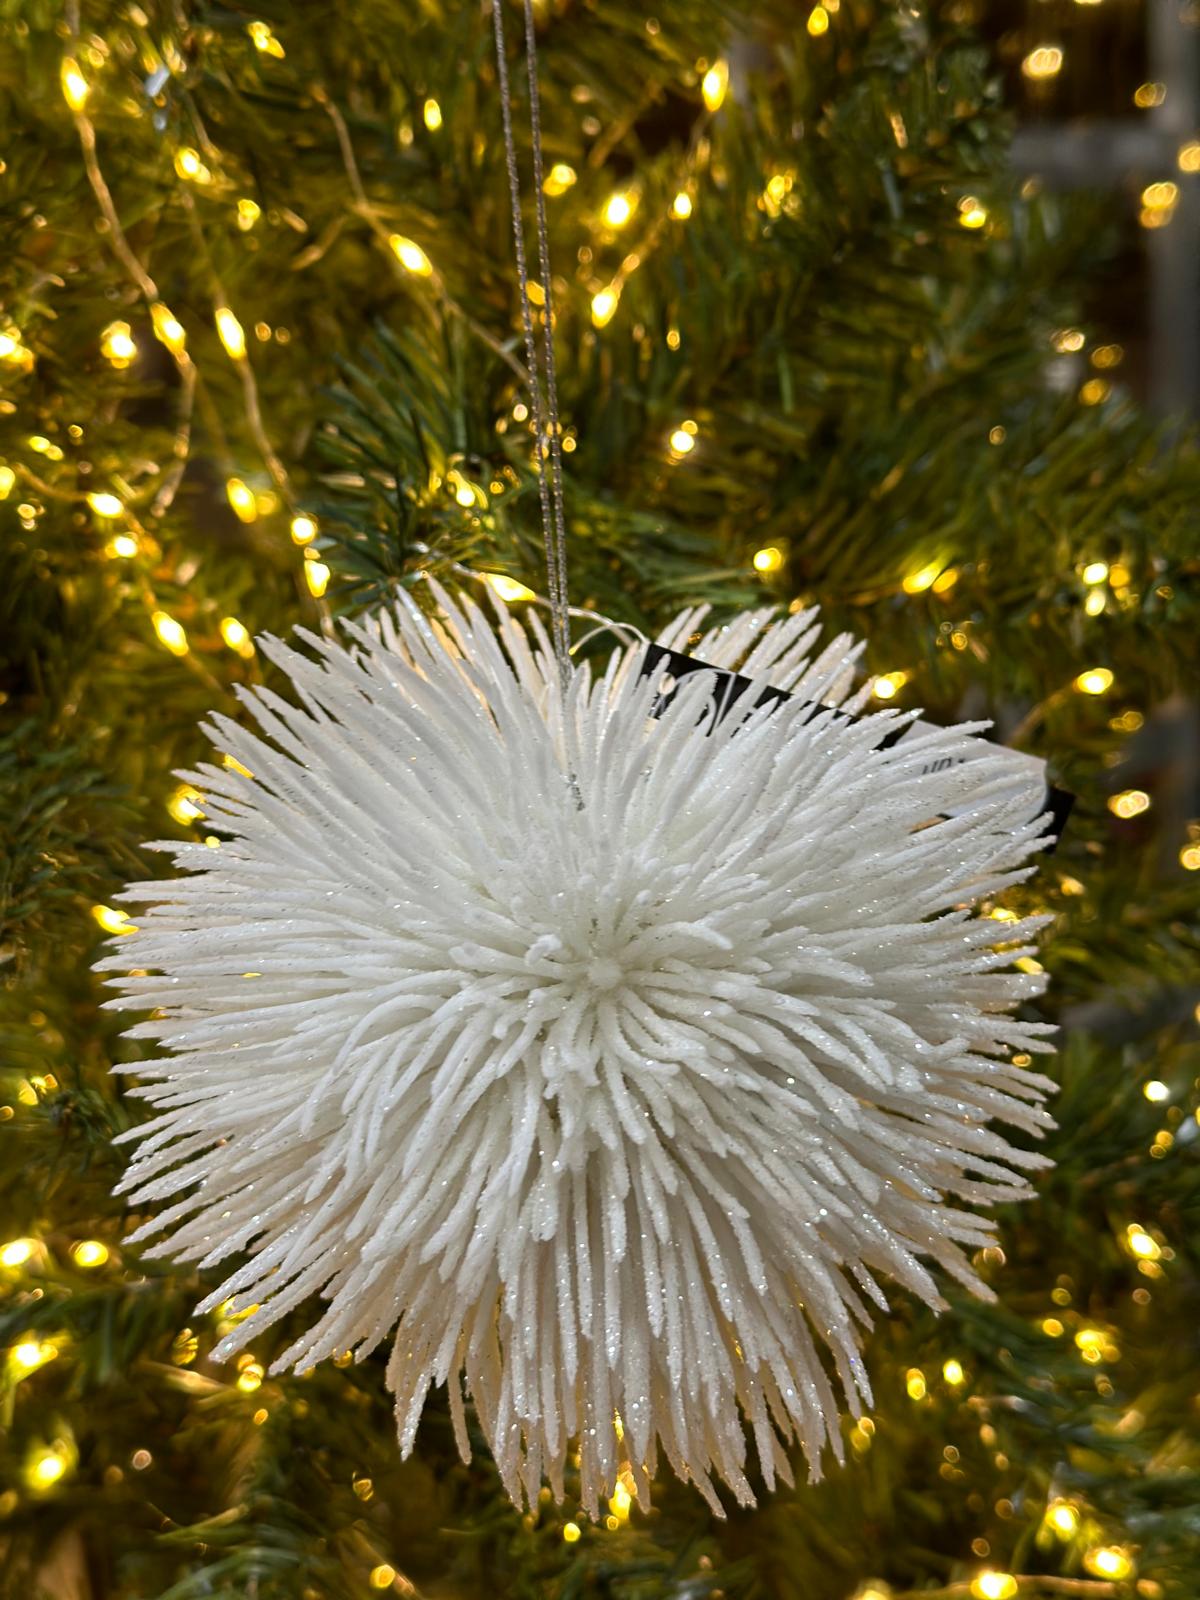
{"x": 543, "y": 405}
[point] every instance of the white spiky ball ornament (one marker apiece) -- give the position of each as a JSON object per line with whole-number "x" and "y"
{"x": 604, "y": 1049}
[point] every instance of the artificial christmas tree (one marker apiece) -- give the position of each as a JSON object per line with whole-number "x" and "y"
{"x": 263, "y": 367}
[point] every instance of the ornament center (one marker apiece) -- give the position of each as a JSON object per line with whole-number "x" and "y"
{"x": 604, "y": 973}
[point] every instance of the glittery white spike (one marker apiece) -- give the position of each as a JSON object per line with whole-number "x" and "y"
{"x": 608, "y": 1059}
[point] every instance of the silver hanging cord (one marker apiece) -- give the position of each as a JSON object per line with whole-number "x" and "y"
{"x": 556, "y": 468}
{"x": 547, "y": 432}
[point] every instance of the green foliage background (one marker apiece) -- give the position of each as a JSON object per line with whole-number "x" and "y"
{"x": 876, "y": 390}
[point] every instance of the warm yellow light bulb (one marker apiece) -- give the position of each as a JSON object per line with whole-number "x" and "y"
{"x": 105, "y": 505}
{"x": 1189, "y": 156}
{"x": 923, "y": 578}
{"x": 1142, "y": 1244}
{"x": 248, "y": 213}
{"x": 237, "y": 636}
{"x": 779, "y": 186}
{"x": 618, "y": 208}
{"x": 45, "y": 1468}
{"x": 1095, "y": 601}
{"x": 242, "y": 500}
{"x": 89, "y": 1253}
{"x": 185, "y": 804}
{"x": 604, "y": 305}
{"x": 189, "y": 165}
{"x": 170, "y": 633}
{"x": 818, "y": 21}
{"x": 1063, "y": 1518}
{"x": 953, "y": 1373}
{"x": 972, "y": 213}
{"x": 265, "y": 40}
{"x": 715, "y": 85}
{"x": 768, "y": 559}
{"x": 167, "y": 328}
{"x": 231, "y": 333}
{"x": 117, "y": 344}
{"x": 559, "y": 179}
{"x": 1045, "y": 61}
{"x": 572, "y": 1532}
{"x": 1158, "y": 204}
{"x": 1148, "y": 95}
{"x": 620, "y": 1502}
{"x": 1161, "y": 196}
{"x": 432, "y": 112}
{"x": 1096, "y": 680}
{"x": 1155, "y": 1090}
{"x": 123, "y": 545}
{"x": 14, "y": 352}
{"x": 7, "y": 479}
{"x": 994, "y": 1586}
{"x": 1129, "y": 803}
{"x": 410, "y": 255}
{"x": 17, "y": 1252}
{"x": 1189, "y": 857}
{"x": 383, "y": 1576}
{"x": 1095, "y": 1345}
{"x": 74, "y": 84}
{"x": 888, "y": 685}
{"x": 112, "y": 920}
{"x": 1095, "y": 572}
{"x": 682, "y": 442}
{"x": 914, "y": 1383}
{"x": 509, "y": 589}
{"x": 681, "y": 206}
{"x": 316, "y": 575}
{"x": 304, "y": 528}
{"x": 30, "y": 1354}
{"x": 1109, "y": 1561}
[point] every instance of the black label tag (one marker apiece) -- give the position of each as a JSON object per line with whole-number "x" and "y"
{"x": 731, "y": 686}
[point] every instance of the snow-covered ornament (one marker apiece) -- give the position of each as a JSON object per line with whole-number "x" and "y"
{"x": 603, "y": 1049}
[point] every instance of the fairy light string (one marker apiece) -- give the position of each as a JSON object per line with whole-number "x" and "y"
{"x": 543, "y": 407}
